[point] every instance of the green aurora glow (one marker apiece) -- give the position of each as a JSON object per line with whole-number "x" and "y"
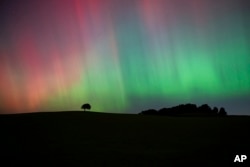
{"x": 111, "y": 58}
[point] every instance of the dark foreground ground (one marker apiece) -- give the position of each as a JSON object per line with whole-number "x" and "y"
{"x": 95, "y": 139}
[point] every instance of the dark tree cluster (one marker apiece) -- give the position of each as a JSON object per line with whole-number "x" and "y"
{"x": 187, "y": 110}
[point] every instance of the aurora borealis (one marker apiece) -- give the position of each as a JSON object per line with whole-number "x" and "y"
{"x": 124, "y": 55}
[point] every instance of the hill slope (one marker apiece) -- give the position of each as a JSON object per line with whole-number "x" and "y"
{"x": 96, "y": 139}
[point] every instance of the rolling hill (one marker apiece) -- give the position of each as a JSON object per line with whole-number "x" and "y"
{"x": 100, "y": 139}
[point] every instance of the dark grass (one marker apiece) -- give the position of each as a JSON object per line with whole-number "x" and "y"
{"x": 98, "y": 139}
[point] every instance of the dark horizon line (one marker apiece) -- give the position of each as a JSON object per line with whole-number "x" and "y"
{"x": 94, "y": 112}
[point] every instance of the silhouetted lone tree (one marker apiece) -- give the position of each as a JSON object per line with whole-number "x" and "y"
{"x": 86, "y": 106}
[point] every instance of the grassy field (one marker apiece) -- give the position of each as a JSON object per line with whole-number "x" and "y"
{"x": 98, "y": 139}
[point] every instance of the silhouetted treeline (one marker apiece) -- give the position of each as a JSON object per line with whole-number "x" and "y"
{"x": 187, "y": 110}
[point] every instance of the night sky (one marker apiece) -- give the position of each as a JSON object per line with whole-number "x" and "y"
{"x": 124, "y": 56}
